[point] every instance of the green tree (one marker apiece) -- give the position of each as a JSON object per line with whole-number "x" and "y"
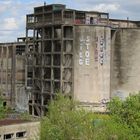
{"x": 127, "y": 112}
{"x": 66, "y": 121}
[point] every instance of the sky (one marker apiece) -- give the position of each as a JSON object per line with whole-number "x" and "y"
{"x": 13, "y": 12}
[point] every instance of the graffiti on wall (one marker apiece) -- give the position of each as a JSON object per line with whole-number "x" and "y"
{"x": 96, "y": 50}
{"x": 100, "y": 50}
{"x": 84, "y": 54}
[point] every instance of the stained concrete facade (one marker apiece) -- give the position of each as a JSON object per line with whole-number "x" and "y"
{"x": 125, "y": 78}
{"x": 92, "y": 64}
{"x": 82, "y": 54}
{"x": 12, "y": 75}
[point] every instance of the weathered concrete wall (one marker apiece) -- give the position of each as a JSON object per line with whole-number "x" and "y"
{"x": 31, "y": 129}
{"x": 125, "y": 70}
{"x": 12, "y": 77}
{"x": 20, "y": 95}
{"x": 92, "y": 64}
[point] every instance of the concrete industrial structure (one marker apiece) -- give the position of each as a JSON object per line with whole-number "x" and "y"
{"x": 12, "y": 74}
{"x": 83, "y": 54}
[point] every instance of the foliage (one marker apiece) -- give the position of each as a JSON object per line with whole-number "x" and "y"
{"x": 2, "y": 109}
{"x": 112, "y": 130}
{"x": 25, "y": 116}
{"x": 65, "y": 121}
{"x": 127, "y": 112}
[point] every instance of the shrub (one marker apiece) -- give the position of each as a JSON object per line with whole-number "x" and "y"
{"x": 65, "y": 121}
{"x": 2, "y": 109}
{"x": 127, "y": 112}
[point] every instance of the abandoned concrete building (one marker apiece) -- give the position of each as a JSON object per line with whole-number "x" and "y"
{"x": 83, "y": 54}
{"x": 19, "y": 129}
{"x": 12, "y": 74}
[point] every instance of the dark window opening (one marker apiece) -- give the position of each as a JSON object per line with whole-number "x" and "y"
{"x": 37, "y": 110}
{"x": 47, "y": 86}
{"x": 20, "y": 50}
{"x": 47, "y": 46}
{"x": 57, "y": 46}
{"x": 48, "y": 32}
{"x": 58, "y": 16}
{"x": 91, "y": 20}
{"x": 47, "y": 60}
{"x": 47, "y": 98}
{"x": 68, "y": 32}
{"x": 48, "y": 17}
{"x": 30, "y": 108}
{"x": 68, "y": 46}
{"x": 56, "y": 72}
{"x": 8, "y": 136}
{"x": 29, "y": 82}
{"x": 56, "y": 59}
{"x": 30, "y": 74}
{"x": 21, "y": 134}
{"x": 56, "y": 87}
{"x": 47, "y": 73}
{"x": 4, "y": 104}
{"x": 57, "y": 32}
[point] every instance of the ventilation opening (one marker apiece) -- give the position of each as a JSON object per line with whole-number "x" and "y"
{"x": 8, "y": 136}
{"x": 21, "y": 134}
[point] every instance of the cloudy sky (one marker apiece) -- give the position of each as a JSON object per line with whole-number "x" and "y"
{"x": 13, "y": 12}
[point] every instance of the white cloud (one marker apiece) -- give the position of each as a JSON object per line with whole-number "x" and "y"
{"x": 106, "y": 7}
{"x": 10, "y": 24}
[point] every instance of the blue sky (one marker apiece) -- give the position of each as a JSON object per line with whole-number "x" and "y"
{"x": 13, "y": 12}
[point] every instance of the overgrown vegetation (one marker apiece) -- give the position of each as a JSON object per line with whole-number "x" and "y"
{"x": 127, "y": 112}
{"x": 3, "y": 110}
{"x": 65, "y": 121}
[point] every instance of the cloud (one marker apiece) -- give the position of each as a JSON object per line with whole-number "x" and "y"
{"x": 13, "y": 12}
{"x": 106, "y": 7}
{"x": 13, "y": 18}
{"x": 10, "y": 24}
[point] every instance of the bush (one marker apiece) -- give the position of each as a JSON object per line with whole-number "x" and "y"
{"x": 127, "y": 112}
{"x": 2, "y": 109}
{"x": 65, "y": 121}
